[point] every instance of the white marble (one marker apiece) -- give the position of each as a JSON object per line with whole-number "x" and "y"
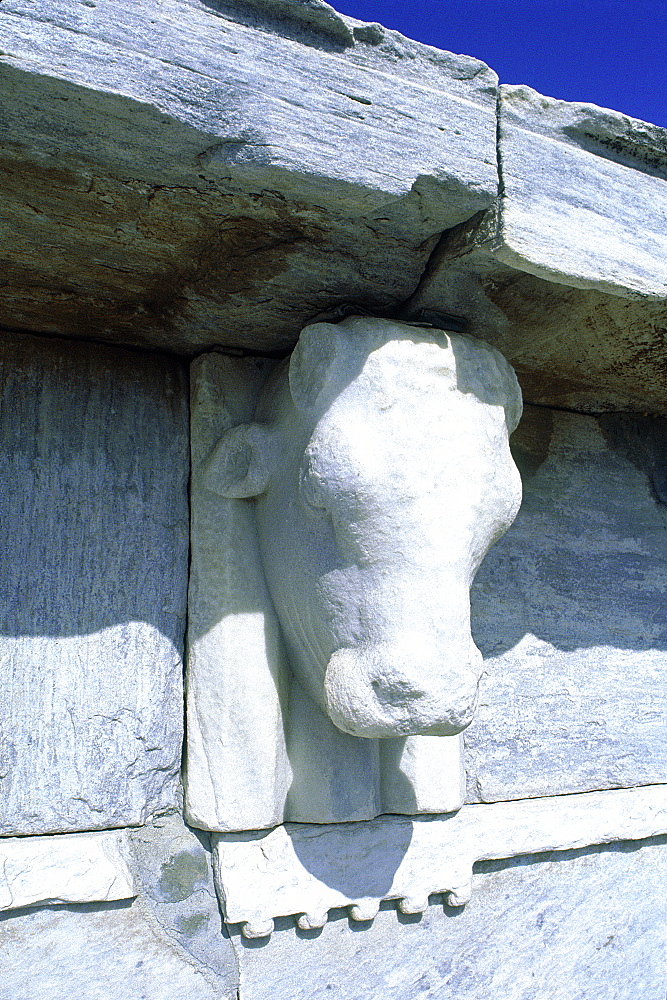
{"x": 381, "y": 466}
{"x": 584, "y": 195}
{"x": 569, "y": 610}
{"x": 305, "y": 870}
{"x": 371, "y": 560}
{"x": 579, "y": 925}
{"x": 70, "y": 868}
{"x": 94, "y": 467}
{"x": 236, "y": 768}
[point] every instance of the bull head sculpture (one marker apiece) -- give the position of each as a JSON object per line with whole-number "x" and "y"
{"x": 380, "y": 467}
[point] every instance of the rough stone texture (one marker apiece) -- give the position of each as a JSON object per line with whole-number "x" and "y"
{"x": 92, "y": 607}
{"x": 569, "y": 610}
{"x": 576, "y": 348}
{"x": 166, "y": 945}
{"x": 200, "y": 172}
{"x": 305, "y": 870}
{"x": 173, "y": 872}
{"x": 71, "y": 868}
{"x": 584, "y": 195}
{"x": 98, "y": 952}
{"x": 577, "y": 925}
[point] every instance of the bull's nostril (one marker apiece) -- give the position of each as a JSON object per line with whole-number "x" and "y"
{"x": 380, "y": 691}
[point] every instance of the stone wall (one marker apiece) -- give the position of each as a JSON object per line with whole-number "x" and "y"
{"x": 186, "y": 186}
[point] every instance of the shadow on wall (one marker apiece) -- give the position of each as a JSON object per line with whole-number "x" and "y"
{"x": 584, "y": 562}
{"x": 95, "y": 465}
{"x": 569, "y": 612}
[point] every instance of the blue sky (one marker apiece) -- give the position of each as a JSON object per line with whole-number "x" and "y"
{"x": 607, "y": 52}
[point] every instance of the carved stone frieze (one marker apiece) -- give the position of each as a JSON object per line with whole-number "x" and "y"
{"x": 379, "y": 463}
{"x": 305, "y": 870}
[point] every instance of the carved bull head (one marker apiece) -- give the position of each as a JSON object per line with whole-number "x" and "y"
{"x": 381, "y": 469}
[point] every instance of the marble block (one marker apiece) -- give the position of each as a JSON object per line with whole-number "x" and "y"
{"x": 68, "y": 868}
{"x": 569, "y": 611}
{"x": 305, "y": 870}
{"x": 93, "y": 586}
{"x": 587, "y": 924}
{"x": 157, "y": 146}
{"x": 584, "y": 197}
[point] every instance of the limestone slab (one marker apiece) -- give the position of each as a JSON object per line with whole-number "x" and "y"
{"x": 573, "y": 925}
{"x": 569, "y": 612}
{"x": 70, "y": 868}
{"x": 306, "y": 870}
{"x": 222, "y": 172}
{"x": 584, "y": 195}
{"x": 92, "y": 609}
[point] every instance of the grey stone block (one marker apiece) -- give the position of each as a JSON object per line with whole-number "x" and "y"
{"x": 584, "y": 195}
{"x": 98, "y": 952}
{"x": 574, "y": 925}
{"x": 212, "y": 172}
{"x": 173, "y": 873}
{"x": 569, "y": 610}
{"x": 93, "y": 584}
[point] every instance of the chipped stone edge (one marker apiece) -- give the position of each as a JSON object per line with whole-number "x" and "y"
{"x": 259, "y": 875}
{"x": 65, "y": 868}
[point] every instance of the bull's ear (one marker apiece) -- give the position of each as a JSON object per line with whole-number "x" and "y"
{"x": 240, "y": 463}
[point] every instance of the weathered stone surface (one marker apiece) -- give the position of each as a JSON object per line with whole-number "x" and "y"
{"x": 305, "y": 870}
{"x": 576, "y": 348}
{"x": 584, "y": 197}
{"x": 167, "y": 944}
{"x": 195, "y": 173}
{"x": 581, "y": 349}
{"x": 104, "y": 951}
{"x": 569, "y": 610}
{"x": 92, "y": 606}
{"x": 237, "y": 773}
{"x": 71, "y": 868}
{"x": 575, "y": 925}
{"x": 173, "y": 873}
{"x": 374, "y": 610}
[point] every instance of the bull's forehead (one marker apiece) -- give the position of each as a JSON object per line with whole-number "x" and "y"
{"x": 406, "y": 366}
{"x": 405, "y": 419}
{"x": 415, "y": 382}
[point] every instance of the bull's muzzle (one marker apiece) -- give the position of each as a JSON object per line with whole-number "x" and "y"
{"x": 404, "y": 688}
